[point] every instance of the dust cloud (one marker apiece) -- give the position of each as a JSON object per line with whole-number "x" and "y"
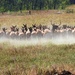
{"x": 40, "y": 41}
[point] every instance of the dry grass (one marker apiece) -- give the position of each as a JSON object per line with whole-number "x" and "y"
{"x": 38, "y": 17}
{"x": 38, "y": 59}
{"x": 71, "y": 7}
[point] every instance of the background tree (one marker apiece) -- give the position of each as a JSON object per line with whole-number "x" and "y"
{"x": 19, "y": 5}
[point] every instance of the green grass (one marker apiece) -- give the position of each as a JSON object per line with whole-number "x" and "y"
{"x": 43, "y": 57}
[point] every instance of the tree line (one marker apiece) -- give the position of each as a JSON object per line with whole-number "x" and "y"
{"x": 19, "y": 5}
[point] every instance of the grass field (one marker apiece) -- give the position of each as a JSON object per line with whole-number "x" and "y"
{"x": 23, "y": 59}
{"x": 38, "y": 17}
{"x": 39, "y": 58}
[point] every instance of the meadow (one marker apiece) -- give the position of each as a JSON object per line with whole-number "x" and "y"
{"x": 36, "y": 59}
{"x": 37, "y": 17}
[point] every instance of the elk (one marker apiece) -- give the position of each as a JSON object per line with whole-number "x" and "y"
{"x": 34, "y": 33}
{"x": 47, "y": 33}
{"x": 22, "y": 34}
{"x": 25, "y": 26}
{"x": 13, "y": 28}
{"x": 28, "y": 33}
{"x": 33, "y": 26}
{"x": 54, "y": 26}
{"x": 39, "y": 33}
{"x": 14, "y": 32}
{"x": 3, "y": 32}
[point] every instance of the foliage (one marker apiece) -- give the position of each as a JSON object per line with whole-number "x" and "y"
{"x": 19, "y": 5}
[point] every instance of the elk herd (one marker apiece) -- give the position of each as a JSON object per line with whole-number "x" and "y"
{"x": 38, "y": 31}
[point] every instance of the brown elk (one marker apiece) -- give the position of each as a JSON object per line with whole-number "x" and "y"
{"x": 47, "y": 33}
{"x": 54, "y": 26}
{"x": 14, "y": 32}
{"x": 34, "y": 33}
{"x": 28, "y": 33}
{"x": 39, "y": 33}
{"x": 22, "y": 34}
{"x": 13, "y": 28}
{"x": 25, "y": 26}
{"x": 3, "y": 32}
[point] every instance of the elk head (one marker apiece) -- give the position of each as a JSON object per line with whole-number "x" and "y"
{"x": 54, "y": 23}
{"x": 17, "y": 29}
{"x": 33, "y": 25}
{"x": 30, "y": 29}
{"x": 4, "y": 29}
{"x": 25, "y": 25}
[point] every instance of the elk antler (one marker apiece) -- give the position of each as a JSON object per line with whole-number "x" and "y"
{"x": 60, "y": 23}
{"x": 51, "y": 22}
